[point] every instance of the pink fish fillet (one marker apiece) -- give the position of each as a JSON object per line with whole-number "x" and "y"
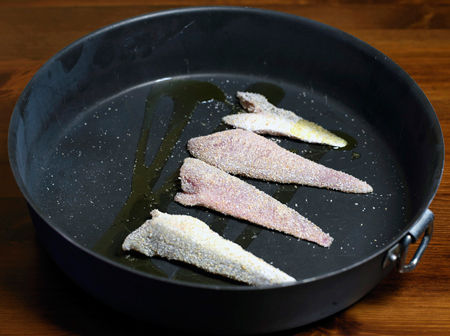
{"x": 241, "y": 152}
{"x": 215, "y": 189}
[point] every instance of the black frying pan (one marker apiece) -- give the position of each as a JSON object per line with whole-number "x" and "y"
{"x": 98, "y": 135}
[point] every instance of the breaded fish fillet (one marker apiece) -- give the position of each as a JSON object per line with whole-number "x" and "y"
{"x": 187, "y": 239}
{"x": 241, "y": 152}
{"x": 213, "y": 188}
{"x": 269, "y": 119}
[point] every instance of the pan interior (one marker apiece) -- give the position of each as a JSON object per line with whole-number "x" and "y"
{"x": 119, "y": 158}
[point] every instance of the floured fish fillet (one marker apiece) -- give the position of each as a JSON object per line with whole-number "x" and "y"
{"x": 213, "y": 188}
{"x": 187, "y": 239}
{"x": 269, "y": 119}
{"x": 241, "y": 152}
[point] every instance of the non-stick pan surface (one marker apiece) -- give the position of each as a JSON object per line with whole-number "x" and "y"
{"x": 99, "y": 134}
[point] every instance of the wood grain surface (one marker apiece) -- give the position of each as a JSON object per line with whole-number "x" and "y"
{"x": 36, "y": 298}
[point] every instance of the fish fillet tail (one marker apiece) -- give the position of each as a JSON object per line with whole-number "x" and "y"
{"x": 318, "y": 236}
{"x": 333, "y": 179}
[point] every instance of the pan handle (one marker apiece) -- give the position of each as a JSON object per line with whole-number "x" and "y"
{"x": 397, "y": 254}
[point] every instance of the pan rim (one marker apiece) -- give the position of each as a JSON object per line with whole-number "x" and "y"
{"x": 338, "y": 34}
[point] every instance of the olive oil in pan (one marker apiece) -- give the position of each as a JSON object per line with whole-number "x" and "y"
{"x": 351, "y": 141}
{"x": 185, "y": 94}
{"x": 315, "y": 152}
{"x": 219, "y": 224}
{"x": 272, "y": 92}
{"x": 142, "y": 199}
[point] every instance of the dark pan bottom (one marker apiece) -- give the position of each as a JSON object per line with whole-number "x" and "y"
{"x": 119, "y": 158}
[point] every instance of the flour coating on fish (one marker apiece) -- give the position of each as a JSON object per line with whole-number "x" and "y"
{"x": 187, "y": 239}
{"x": 241, "y": 152}
{"x": 208, "y": 186}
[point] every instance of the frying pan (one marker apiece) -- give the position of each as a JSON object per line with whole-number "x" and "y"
{"x": 98, "y": 135}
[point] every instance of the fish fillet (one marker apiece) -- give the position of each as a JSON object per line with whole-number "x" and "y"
{"x": 188, "y": 239}
{"x": 241, "y": 152}
{"x": 213, "y": 188}
{"x": 269, "y": 119}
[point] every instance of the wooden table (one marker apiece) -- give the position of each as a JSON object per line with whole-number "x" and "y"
{"x": 37, "y": 299}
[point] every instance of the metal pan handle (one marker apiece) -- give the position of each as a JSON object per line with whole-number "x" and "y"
{"x": 397, "y": 254}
